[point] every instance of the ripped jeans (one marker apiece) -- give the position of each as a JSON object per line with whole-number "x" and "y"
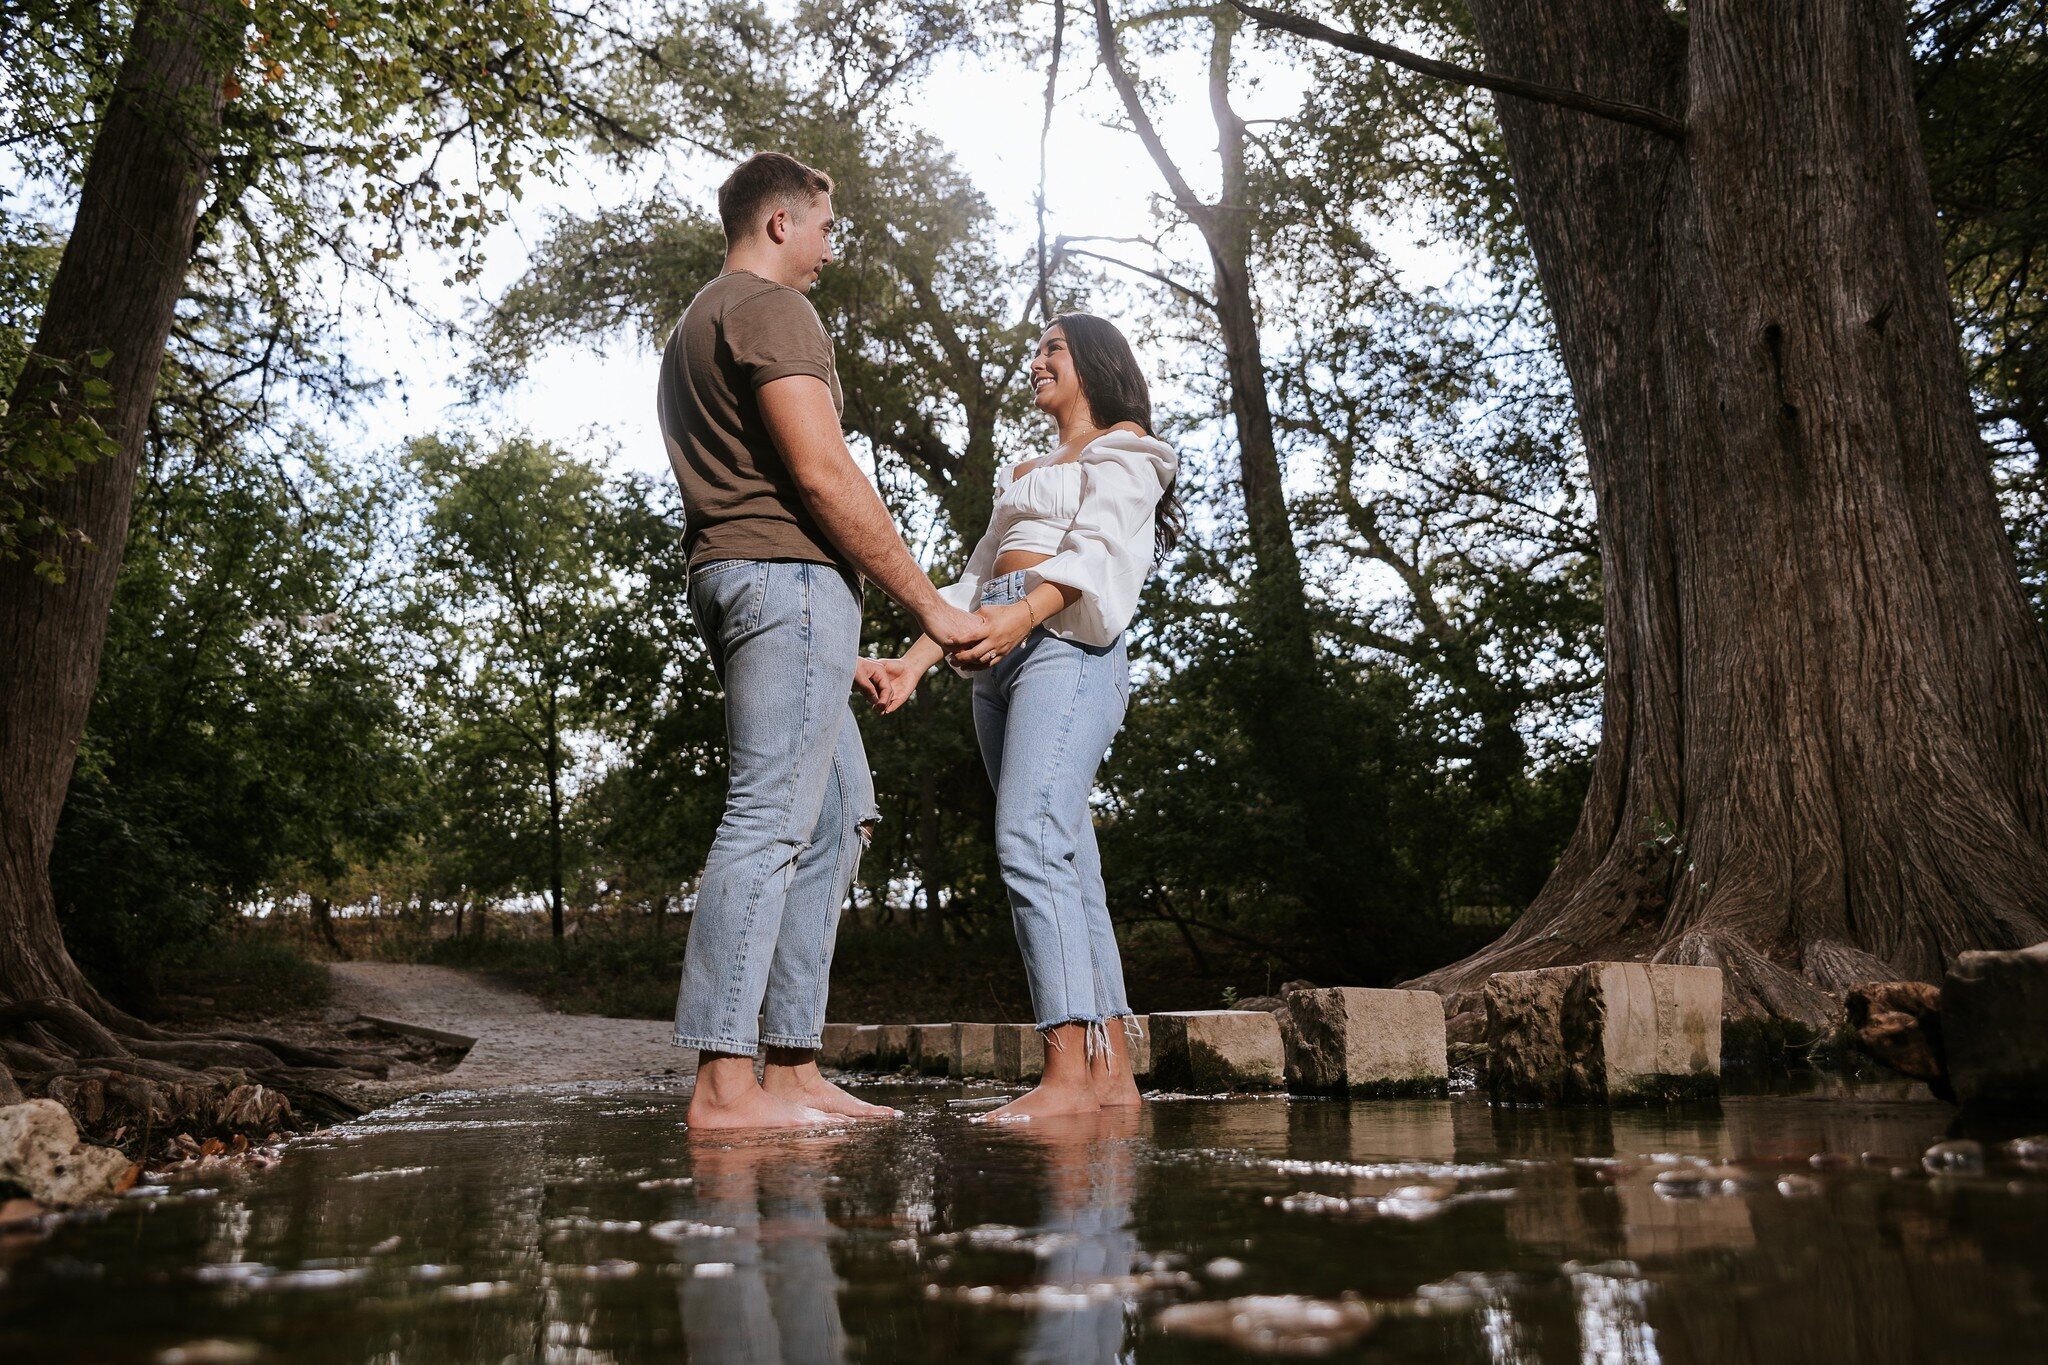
{"x": 783, "y": 637}
{"x": 1045, "y": 716}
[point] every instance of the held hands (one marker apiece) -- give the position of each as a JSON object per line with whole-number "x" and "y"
{"x": 887, "y": 683}
{"x": 1008, "y": 627}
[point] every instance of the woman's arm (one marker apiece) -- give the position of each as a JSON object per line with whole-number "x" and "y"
{"x": 1010, "y": 625}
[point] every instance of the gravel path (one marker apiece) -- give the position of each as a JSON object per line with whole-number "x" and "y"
{"x": 519, "y": 1041}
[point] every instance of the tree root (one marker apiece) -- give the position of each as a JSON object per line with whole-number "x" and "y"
{"x": 127, "y": 1081}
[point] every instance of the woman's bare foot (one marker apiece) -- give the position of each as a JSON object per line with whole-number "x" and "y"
{"x": 1110, "y": 1072}
{"x": 804, "y": 1084}
{"x": 727, "y": 1096}
{"x": 1067, "y": 1087}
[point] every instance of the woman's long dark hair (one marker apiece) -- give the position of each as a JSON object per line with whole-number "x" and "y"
{"x": 1117, "y": 392}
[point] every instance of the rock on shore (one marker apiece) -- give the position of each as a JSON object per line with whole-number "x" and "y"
{"x": 1994, "y": 1024}
{"x": 40, "y": 1151}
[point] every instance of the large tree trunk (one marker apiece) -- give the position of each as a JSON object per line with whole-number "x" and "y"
{"x": 117, "y": 284}
{"x": 1825, "y": 754}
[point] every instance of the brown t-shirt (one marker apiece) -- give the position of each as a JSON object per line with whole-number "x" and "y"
{"x": 739, "y": 501}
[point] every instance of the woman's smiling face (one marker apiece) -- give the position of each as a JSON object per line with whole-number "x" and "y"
{"x": 1054, "y": 384}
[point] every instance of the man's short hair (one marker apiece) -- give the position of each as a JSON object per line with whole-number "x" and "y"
{"x": 764, "y": 179}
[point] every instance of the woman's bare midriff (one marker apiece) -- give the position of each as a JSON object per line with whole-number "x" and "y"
{"x": 1012, "y": 560}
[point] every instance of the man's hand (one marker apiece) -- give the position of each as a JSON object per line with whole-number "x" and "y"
{"x": 895, "y": 683}
{"x": 867, "y": 678}
{"x": 953, "y": 629}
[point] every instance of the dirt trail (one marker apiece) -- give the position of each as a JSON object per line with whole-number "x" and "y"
{"x": 519, "y": 1041}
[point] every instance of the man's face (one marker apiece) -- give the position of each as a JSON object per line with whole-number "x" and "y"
{"x": 807, "y": 248}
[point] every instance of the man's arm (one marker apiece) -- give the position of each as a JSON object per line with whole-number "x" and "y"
{"x": 805, "y": 428}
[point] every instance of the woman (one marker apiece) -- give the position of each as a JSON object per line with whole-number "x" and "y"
{"x": 1057, "y": 576}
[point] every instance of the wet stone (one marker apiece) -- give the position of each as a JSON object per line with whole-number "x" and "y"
{"x": 974, "y": 1049}
{"x": 892, "y": 1046}
{"x": 1369, "y": 1044}
{"x": 1138, "y": 1038}
{"x": 865, "y": 1047}
{"x": 1214, "y": 1050}
{"x": 1994, "y": 1024}
{"x": 1604, "y": 1033}
{"x": 1960, "y": 1157}
{"x": 931, "y": 1049}
{"x": 1019, "y": 1052}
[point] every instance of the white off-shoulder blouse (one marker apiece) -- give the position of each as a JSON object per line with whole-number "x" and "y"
{"x": 1095, "y": 515}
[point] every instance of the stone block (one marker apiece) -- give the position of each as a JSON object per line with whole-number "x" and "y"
{"x": 974, "y": 1050}
{"x": 892, "y": 1046}
{"x": 861, "y": 1050}
{"x": 1604, "y": 1033}
{"x": 1994, "y": 1025}
{"x": 1212, "y": 1050}
{"x": 1366, "y": 1043}
{"x": 931, "y": 1049}
{"x": 835, "y": 1044}
{"x": 1019, "y": 1052}
{"x": 1138, "y": 1037}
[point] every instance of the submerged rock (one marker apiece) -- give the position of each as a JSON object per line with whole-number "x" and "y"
{"x": 1604, "y": 1033}
{"x": 1995, "y": 1027}
{"x": 1961, "y": 1157}
{"x": 40, "y": 1151}
{"x": 1366, "y": 1043}
{"x": 1272, "y": 1324}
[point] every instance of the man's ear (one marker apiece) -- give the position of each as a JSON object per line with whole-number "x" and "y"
{"x": 779, "y": 225}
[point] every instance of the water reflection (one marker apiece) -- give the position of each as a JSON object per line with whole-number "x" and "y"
{"x": 760, "y": 1289}
{"x": 586, "y": 1226}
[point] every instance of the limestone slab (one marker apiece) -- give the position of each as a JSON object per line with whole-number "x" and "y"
{"x": 1994, "y": 1025}
{"x": 1366, "y": 1043}
{"x": 1604, "y": 1033}
{"x": 1213, "y": 1050}
{"x": 931, "y": 1049}
{"x": 1019, "y": 1052}
{"x": 974, "y": 1050}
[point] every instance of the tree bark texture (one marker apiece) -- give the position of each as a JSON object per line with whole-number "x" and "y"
{"x": 117, "y": 284}
{"x": 1825, "y": 747}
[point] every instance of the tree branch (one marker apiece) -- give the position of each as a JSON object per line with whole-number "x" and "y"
{"x": 1061, "y": 249}
{"x": 1620, "y": 111}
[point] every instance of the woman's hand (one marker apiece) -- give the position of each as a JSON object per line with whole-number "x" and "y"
{"x": 1008, "y": 627}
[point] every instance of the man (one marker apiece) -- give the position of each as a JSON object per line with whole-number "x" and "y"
{"x": 779, "y": 525}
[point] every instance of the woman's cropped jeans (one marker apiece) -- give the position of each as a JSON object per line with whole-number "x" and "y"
{"x": 783, "y": 638}
{"x": 1045, "y": 716}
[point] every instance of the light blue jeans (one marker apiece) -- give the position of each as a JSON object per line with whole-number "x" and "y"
{"x": 1045, "y": 716}
{"x": 783, "y": 638}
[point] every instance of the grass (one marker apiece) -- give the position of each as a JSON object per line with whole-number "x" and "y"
{"x": 255, "y": 972}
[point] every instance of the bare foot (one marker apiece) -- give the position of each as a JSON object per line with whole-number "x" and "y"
{"x": 1117, "y": 1092}
{"x": 750, "y": 1109}
{"x": 1055, "y": 1096}
{"x": 1110, "y": 1071}
{"x": 727, "y": 1096}
{"x": 806, "y": 1086}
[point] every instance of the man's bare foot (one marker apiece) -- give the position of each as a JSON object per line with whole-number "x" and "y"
{"x": 805, "y": 1085}
{"x": 755, "y": 1109}
{"x": 727, "y": 1096}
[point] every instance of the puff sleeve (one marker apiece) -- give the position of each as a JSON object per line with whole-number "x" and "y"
{"x": 1106, "y": 553}
{"x": 965, "y": 595}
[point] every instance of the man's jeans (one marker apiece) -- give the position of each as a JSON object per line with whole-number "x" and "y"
{"x": 1045, "y": 716}
{"x": 783, "y": 638}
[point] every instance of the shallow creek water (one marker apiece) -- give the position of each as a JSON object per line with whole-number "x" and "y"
{"x": 581, "y": 1224}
